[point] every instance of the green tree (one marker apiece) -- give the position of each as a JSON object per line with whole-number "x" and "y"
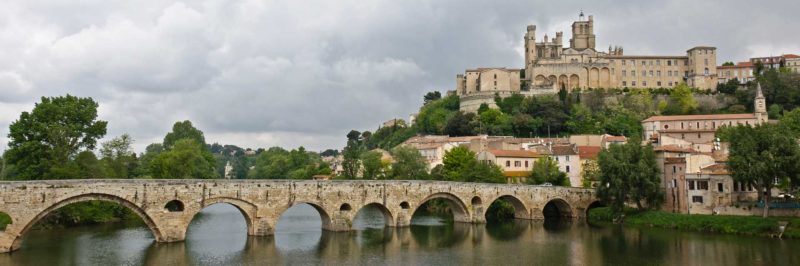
{"x": 461, "y": 165}
{"x": 187, "y": 159}
{"x": 431, "y": 96}
{"x": 763, "y": 155}
{"x": 727, "y": 63}
{"x": 371, "y": 161}
{"x": 183, "y": 130}
{"x": 52, "y": 134}
{"x": 495, "y": 122}
{"x": 145, "y": 160}
{"x": 460, "y": 124}
{"x": 791, "y": 120}
{"x": 545, "y": 170}
{"x": 408, "y": 164}
{"x": 681, "y": 100}
{"x": 728, "y": 87}
{"x": 458, "y": 162}
{"x": 629, "y": 173}
{"x": 590, "y": 172}
{"x": 352, "y": 153}
{"x": 118, "y": 157}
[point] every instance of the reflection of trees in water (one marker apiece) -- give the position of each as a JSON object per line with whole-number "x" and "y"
{"x": 167, "y": 254}
{"x": 440, "y": 236}
{"x": 618, "y": 244}
{"x": 375, "y": 237}
{"x": 507, "y": 230}
{"x": 556, "y": 224}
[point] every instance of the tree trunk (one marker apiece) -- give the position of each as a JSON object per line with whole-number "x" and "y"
{"x": 766, "y": 202}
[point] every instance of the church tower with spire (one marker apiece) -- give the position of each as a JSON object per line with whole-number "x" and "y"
{"x": 760, "y": 105}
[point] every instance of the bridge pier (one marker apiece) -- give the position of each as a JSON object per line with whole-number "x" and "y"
{"x": 261, "y": 227}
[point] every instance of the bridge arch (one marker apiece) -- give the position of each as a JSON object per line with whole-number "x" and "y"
{"x": 520, "y": 209}
{"x": 557, "y": 207}
{"x": 324, "y": 216}
{"x": 247, "y": 209}
{"x": 388, "y": 217}
{"x": 81, "y": 198}
{"x": 457, "y": 206}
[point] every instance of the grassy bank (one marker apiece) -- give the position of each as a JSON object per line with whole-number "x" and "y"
{"x": 743, "y": 225}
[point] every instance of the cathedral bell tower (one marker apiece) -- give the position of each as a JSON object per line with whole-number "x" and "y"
{"x": 760, "y": 105}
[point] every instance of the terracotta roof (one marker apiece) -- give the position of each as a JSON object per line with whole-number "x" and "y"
{"x": 791, "y": 56}
{"x": 698, "y": 117}
{"x": 616, "y": 138}
{"x": 674, "y": 148}
{"x": 588, "y": 152}
{"x": 463, "y": 139}
{"x": 513, "y": 153}
{"x": 715, "y": 169}
{"x": 563, "y": 150}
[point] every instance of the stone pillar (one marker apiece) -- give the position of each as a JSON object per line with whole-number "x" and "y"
{"x": 478, "y": 214}
{"x": 536, "y": 214}
{"x": 341, "y": 221}
{"x": 261, "y": 227}
{"x": 403, "y": 218}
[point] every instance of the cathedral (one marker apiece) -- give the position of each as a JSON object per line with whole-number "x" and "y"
{"x": 549, "y": 67}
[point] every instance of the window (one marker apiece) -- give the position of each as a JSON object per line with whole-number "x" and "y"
{"x": 691, "y": 185}
{"x": 624, "y": 72}
{"x": 526, "y": 164}
{"x": 633, "y": 62}
{"x": 624, "y": 84}
{"x": 670, "y": 83}
{"x": 508, "y": 163}
{"x": 567, "y": 168}
{"x": 702, "y": 185}
{"x": 674, "y": 169}
{"x": 644, "y": 83}
{"x": 698, "y": 135}
{"x": 633, "y": 83}
{"x": 705, "y": 61}
{"x": 697, "y": 124}
{"x": 567, "y": 158}
{"x": 623, "y": 62}
{"x": 669, "y": 62}
{"x": 658, "y": 73}
{"x": 681, "y": 125}
{"x": 697, "y": 199}
{"x": 658, "y": 83}
{"x": 705, "y": 71}
{"x": 683, "y": 136}
{"x": 517, "y": 164}
{"x": 674, "y": 183}
{"x": 719, "y": 187}
{"x": 658, "y": 62}
{"x": 651, "y": 73}
{"x": 633, "y": 73}
{"x": 666, "y": 126}
{"x": 644, "y": 63}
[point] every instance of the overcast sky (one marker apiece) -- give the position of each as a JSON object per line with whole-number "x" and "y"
{"x": 291, "y": 73}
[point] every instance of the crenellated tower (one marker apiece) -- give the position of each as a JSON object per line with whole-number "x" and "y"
{"x": 582, "y": 33}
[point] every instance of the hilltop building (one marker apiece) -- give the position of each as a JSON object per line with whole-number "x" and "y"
{"x": 549, "y": 67}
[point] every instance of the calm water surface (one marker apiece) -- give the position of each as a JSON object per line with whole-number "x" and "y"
{"x": 218, "y": 236}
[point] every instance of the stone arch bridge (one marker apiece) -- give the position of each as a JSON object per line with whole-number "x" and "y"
{"x": 168, "y": 206}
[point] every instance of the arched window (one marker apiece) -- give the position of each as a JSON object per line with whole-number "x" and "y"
{"x": 174, "y": 206}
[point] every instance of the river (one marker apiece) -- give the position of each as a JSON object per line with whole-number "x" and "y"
{"x": 218, "y": 236}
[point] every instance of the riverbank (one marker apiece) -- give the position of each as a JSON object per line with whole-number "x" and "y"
{"x": 740, "y": 225}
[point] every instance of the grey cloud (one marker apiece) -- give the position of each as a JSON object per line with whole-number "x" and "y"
{"x": 263, "y": 73}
